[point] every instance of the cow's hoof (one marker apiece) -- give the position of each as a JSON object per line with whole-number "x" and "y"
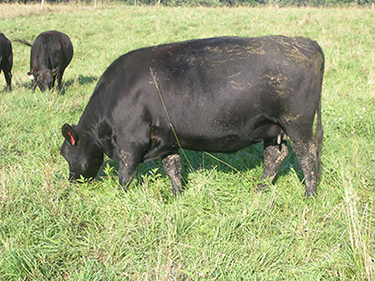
{"x": 311, "y": 194}
{"x": 262, "y": 187}
{"x": 178, "y": 193}
{"x": 122, "y": 190}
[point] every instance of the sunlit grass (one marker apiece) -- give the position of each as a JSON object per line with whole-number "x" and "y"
{"x": 220, "y": 228}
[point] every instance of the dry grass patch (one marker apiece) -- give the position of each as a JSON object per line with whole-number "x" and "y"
{"x": 16, "y": 9}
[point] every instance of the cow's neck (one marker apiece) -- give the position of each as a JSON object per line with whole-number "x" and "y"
{"x": 95, "y": 126}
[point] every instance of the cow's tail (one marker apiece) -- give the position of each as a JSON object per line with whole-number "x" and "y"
{"x": 319, "y": 134}
{"x": 318, "y": 140}
{"x": 22, "y": 42}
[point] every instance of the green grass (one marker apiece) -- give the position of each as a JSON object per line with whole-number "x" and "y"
{"x": 220, "y": 228}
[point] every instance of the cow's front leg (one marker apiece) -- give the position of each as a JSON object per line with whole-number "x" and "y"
{"x": 172, "y": 166}
{"x": 34, "y": 83}
{"x": 128, "y": 165}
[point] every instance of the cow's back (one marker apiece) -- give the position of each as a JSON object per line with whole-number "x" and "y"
{"x": 51, "y": 48}
{"x": 224, "y": 67}
{"x": 5, "y": 46}
{"x": 6, "y": 54}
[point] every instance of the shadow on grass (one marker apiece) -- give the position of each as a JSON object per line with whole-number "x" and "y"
{"x": 4, "y": 89}
{"x": 81, "y": 80}
{"x": 242, "y": 161}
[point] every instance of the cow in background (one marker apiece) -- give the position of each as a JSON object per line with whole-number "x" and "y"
{"x": 6, "y": 60}
{"x": 51, "y": 53}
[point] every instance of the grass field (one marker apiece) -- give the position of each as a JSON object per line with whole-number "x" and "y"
{"x": 221, "y": 228}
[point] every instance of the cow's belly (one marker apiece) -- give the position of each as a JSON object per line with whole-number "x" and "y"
{"x": 232, "y": 140}
{"x": 210, "y": 140}
{"x": 227, "y": 143}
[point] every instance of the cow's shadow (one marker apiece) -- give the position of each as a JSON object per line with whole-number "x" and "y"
{"x": 241, "y": 161}
{"x": 4, "y": 89}
{"x": 80, "y": 80}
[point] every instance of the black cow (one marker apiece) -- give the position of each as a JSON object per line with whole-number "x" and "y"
{"x": 51, "y": 53}
{"x": 6, "y": 60}
{"x": 216, "y": 95}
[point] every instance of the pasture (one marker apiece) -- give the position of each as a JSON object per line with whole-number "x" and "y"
{"x": 220, "y": 228}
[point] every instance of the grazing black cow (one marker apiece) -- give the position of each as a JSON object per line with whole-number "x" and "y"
{"x": 6, "y": 60}
{"x": 51, "y": 53}
{"x": 216, "y": 95}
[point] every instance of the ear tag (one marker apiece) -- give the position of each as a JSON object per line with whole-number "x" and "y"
{"x": 72, "y": 140}
{"x": 31, "y": 77}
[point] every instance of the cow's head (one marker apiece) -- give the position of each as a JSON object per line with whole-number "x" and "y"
{"x": 42, "y": 78}
{"x": 83, "y": 156}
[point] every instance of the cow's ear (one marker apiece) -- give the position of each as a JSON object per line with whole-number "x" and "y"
{"x": 70, "y": 134}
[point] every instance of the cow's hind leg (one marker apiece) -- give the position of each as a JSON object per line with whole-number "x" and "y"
{"x": 305, "y": 150}
{"x": 8, "y": 79}
{"x": 275, "y": 152}
{"x": 172, "y": 166}
{"x": 59, "y": 75}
